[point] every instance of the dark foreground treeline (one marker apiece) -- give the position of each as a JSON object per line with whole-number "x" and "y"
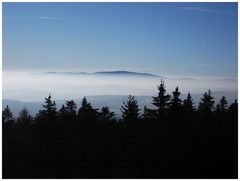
{"x": 175, "y": 140}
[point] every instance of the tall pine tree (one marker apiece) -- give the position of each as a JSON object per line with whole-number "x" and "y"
{"x": 7, "y": 117}
{"x": 49, "y": 109}
{"x": 162, "y": 101}
{"x": 71, "y": 108}
{"x": 176, "y": 103}
{"x": 188, "y": 104}
{"x": 130, "y": 110}
{"x": 86, "y": 111}
{"x": 206, "y": 104}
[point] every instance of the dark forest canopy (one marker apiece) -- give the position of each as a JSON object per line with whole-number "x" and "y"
{"x": 177, "y": 139}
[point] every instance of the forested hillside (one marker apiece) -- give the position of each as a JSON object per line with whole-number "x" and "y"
{"x": 176, "y": 139}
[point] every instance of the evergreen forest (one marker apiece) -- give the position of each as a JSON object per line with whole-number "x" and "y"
{"x": 177, "y": 139}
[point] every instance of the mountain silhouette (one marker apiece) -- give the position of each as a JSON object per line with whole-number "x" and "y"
{"x": 107, "y": 73}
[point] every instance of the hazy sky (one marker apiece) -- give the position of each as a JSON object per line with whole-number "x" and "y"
{"x": 187, "y": 39}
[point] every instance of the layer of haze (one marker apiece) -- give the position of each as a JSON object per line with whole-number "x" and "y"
{"x": 34, "y": 87}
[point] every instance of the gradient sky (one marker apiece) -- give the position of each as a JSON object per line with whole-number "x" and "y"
{"x": 186, "y": 39}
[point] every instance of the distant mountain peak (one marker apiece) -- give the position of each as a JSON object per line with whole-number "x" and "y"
{"x": 126, "y": 73}
{"x": 115, "y": 73}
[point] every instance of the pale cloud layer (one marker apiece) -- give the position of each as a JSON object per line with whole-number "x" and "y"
{"x": 35, "y": 17}
{"x": 203, "y": 9}
{"x": 72, "y": 86}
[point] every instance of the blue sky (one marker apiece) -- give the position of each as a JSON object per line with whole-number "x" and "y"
{"x": 186, "y": 39}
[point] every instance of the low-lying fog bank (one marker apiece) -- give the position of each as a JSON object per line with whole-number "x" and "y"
{"x": 34, "y": 87}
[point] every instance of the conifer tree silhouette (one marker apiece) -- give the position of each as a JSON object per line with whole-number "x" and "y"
{"x": 223, "y": 104}
{"x": 130, "y": 111}
{"x": 50, "y": 109}
{"x": 148, "y": 114}
{"x": 217, "y": 109}
{"x": 86, "y": 111}
{"x": 233, "y": 108}
{"x": 24, "y": 116}
{"x": 176, "y": 103}
{"x": 62, "y": 111}
{"x": 71, "y": 107}
{"x": 162, "y": 101}
{"x": 106, "y": 115}
{"x": 7, "y": 116}
{"x": 188, "y": 104}
{"x": 206, "y": 104}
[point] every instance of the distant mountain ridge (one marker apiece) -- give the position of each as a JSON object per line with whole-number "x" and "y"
{"x": 138, "y": 74}
{"x": 113, "y": 73}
